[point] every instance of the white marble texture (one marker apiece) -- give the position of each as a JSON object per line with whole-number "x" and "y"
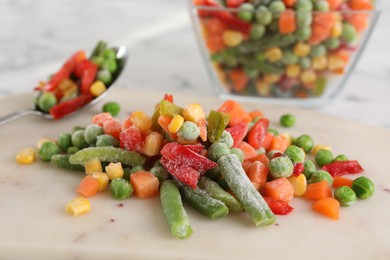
{"x": 37, "y": 35}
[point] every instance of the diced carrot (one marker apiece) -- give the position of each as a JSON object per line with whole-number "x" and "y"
{"x": 247, "y": 149}
{"x": 279, "y": 143}
{"x": 164, "y": 121}
{"x": 324, "y": 19}
{"x": 361, "y": 4}
{"x": 236, "y": 112}
{"x": 289, "y": 3}
{"x": 280, "y": 189}
{"x": 112, "y": 127}
{"x": 258, "y": 173}
{"x": 260, "y": 157}
{"x": 339, "y": 181}
{"x": 127, "y": 123}
{"x": 214, "y": 26}
{"x": 214, "y": 43}
{"x": 319, "y": 34}
{"x": 287, "y": 22}
{"x": 145, "y": 184}
{"x": 256, "y": 114}
{"x": 359, "y": 21}
{"x": 334, "y": 4}
{"x": 343, "y": 55}
{"x": 318, "y": 190}
{"x": 239, "y": 79}
{"x": 202, "y": 124}
{"x": 329, "y": 207}
{"x": 88, "y": 186}
{"x": 99, "y": 119}
{"x": 267, "y": 141}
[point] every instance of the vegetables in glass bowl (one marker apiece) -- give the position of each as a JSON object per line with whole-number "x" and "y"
{"x": 292, "y": 51}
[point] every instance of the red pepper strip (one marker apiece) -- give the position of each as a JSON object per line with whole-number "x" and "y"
{"x": 257, "y": 133}
{"x": 168, "y": 97}
{"x": 67, "y": 107}
{"x": 183, "y": 173}
{"x": 278, "y": 207}
{"x": 339, "y": 168}
{"x": 88, "y": 77}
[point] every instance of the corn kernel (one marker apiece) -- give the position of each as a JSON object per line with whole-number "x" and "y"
{"x": 288, "y": 137}
{"x": 301, "y": 49}
{"x": 337, "y": 29}
{"x": 299, "y": 184}
{"x": 308, "y": 76}
{"x": 102, "y": 179}
{"x": 263, "y": 88}
{"x": 68, "y": 88}
{"x": 78, "y": 206}
{"x": 153, "y": 144}
{"x": 274, "y": 54}
{"x": 232, "y": 38}
{"x": 193, "y": 113}
{"x": 114, "y": 170}
{"x": 97, "y": 88}
{"x": 92, "y": 166}
{"x": 335, "y": 63}
{"x": 42, "y": 141}
{"x": 26, "y": 156}
{"x": 141, "y": 120}
{"x": 176, "y": 123}
{"x": 293, "y": 70}
{"x": 318, "y": 147}
{"x": 271, "y": 78}
{"x": 319, "y": 63}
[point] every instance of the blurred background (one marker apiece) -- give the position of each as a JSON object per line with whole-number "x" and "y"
{"x": 36, "y": 36}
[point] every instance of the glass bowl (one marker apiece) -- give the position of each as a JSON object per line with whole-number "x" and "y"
{"x": 294, "y": 52}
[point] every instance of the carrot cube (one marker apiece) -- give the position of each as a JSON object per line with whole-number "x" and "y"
{"x": 145, "y": 184}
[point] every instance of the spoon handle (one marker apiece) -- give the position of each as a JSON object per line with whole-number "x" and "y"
{"x": 17, "y": 114}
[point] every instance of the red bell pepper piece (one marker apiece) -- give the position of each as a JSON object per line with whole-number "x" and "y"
{"x": 234, "y": 3}
{"x": 130, "y": 139}
{"x": 67, "y": 107}
{"x": 298, "y": 168}
{"x": 168, "y": 97}
{"x": 197, "y": 148}
{"x": 238, "y": 132}
{"x": 257, "y": 133}
{"x": 339, "y": 168}
{"x": 183, "y": 173}
{"x": 88, "y": 77}
{"x": 278, "y": 207}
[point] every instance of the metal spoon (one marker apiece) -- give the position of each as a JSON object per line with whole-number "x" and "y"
{"x": 121, "y": 55}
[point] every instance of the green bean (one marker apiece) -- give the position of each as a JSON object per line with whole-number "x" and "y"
{"x": 112, "y": 107}
{"x": 345, "y": 195}
{"x": 91, "y": 133}
{"x": 47, "y": 150}
{"x": 174, "y": 211}
{"x": 64, "y": 141}
{"x": 281, "y": 166}
{"x": 72, "y": 150}
{"x": 218, "y": 193}
{"x": 100, "y": 46}
{"x": 107, "y": 154}
{"x": 363, "y": 187}
{"x": 160, "y": 172}
{"x": 121, "y": 189}
{"x": 250, "y": 198}
{"x": 78, "y": 139}
{"x": 62, "y": 161}
{"x": 214, "y": 174}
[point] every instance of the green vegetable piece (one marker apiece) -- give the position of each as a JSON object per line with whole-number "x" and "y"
{"x": 169, "y": 109}
{"x": 78, "y": 139}
{"x": 218, "y": 193}
{"x": 318, "y": 50}
{"x": 137, "y": 168}
{"x": 217, "y": 122}
{"x": 65, "y": 141}
{"x": 62, "y": 161}
{"x": 106, "y": 140}
{"x": 273, "y": 131}
{"x": 323, "y": 157}
{"x": 277, "y": 6}
{"x": 304, "y": 33}
{"x": 121, "y": 189}
{"x": 296, "y": 154}
{"x": 189, "y": 131}
{"x": 91, "y": 133}
{"x": 110, "y": 65}
{"x": 287, "y": 120}
{"x": 281, "y": 167}
{"x": 98, "y": 60}
{"x": 304, "y": 141}
{"x": 216, "y": 150}
{"x": 76, "y": 128}
{"x": 214, "y": 174}
{"x": 345, "y": 195}
{"x": 304, "y": 19}
{"x": 204, "y": 203}
{"x": 321, "y": 175}
{"x": 341, "y": 157}
{"x": 46, "y": 101}
{"x": 320, "y": 86}
{"x": 239, "y": 153}
{"x": 72, "y": 150}
{"x": 363, "y": 187}
{"x": 109, "y": 54}
{"x": 99, "y": 48}
{"x": 263, "y": 15}
{"x": 47, "y": 150}
{"x": 112, "y": 107}
{"x": 160, "y": 172}
{"x": 321, "y": 5}
{"x": 310, "y": 167}
{"x": 105, "y": 76}
{"x": 250, "y": 198}
{"x": 245, "y": 12}
{"x": 304, "y": 5}
{"x": 305, "y": 62}
{"x": 257, "y": 31}
{"x": 107, "y": 154}
{"x": 226, "y": 138}
{"x": 126, "y": 173}
{"x": 349, "y": 33}
{"x": 174, "y": 211}
{"x": 332, "y": 43}
{"x": 289, "y": 57}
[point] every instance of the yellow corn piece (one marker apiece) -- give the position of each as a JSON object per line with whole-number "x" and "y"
{"x": 319, "y": 63}
{"x": 263, "y": 88}
{"x": 232, "y": 38}
{"x": 141, "y": 120}
{"x": 114, "y": 170}
{"x": 335, "y": 63}
{"x": 293, "y": 70}
{"x": 301, "y": 49}
{"x": 68, "y": 88}
{"x": 193, "y": 113}
{"x": 274, "y": 54}
{"x": 271, "y": 78}
{"x": 153, "y": 144}
{"x": 92, "y": 166}
{"x": 337, "y": 29}
{"x": 78, "y": 206}
{"x": 288, "y": 137}
{"x": 42, "y": 141}
{"x": 318, "y": 147}
{"x": 308, "y": 76}
{"x": 26, "y": 156}
{"x": 102, "y": 179}
{"x": 97, "y": 88}
{"x": 299, "y": 184}
{"x": 176, "y": 123}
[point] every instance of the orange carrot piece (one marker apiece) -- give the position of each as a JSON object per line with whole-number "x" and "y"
{"x": 361, "y": 4}
{"x": 289, "y": 3}
{"x": 88, "y": 186}
{"x": 359, "y": 21}
{"x": 239, "y": 79}
{"x": 214, "y": 26}
{"x": 247, "y": 149}
{"x": 258, "y": 173}
{"x": 327, "y": 206}
{"x": 280, "y": 189}
{"x": 334, "y": 4}
{"x": 267, "y": 141}
{"x": 99, "y": 119}
{"x": 112, "y": 127}
{"x": 339, "y": 181}
{"x": 236, "y": 112}
{"x": 256, "y": 114}
{"x": 202, "y": 124}
{"x": 260, "y": 157}
{"x": 215, "y": 43}
{"x": 145, "y": 184}
{"x": 164, "y": 121}
{"x": 318, "y": 190}
{"x": 287, "y": 22}
{"x": 279, "y": 143}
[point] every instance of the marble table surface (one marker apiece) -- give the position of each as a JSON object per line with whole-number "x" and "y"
{"x": 37, "y": 35}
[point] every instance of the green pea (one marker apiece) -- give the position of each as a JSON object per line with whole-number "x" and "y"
{"x": 277, "y": 6}
{"x": 105, "y": 76}
{"x": 263, "y": 15}
{"x": 318, "y": 50}
{"x": 304, "y": 33}
{"x": 217, "y": 150}
{"x": 226, "y": 138}
{"x": 64, "y": 141}
{"x": 345, "y": 195}
{"x": 121, "y": 189}
{"x": 296, "y": 154}
{"x": 239, "y": 154}
{"x": 110, "y": 65}
{"x": 323, "y": 157}
{"x": 189, "y": 131}
{"x": 363, "y": 187}
{"x": 340, "y": 157}
{"x": 304, "y": 5}
{"x": 332, "y": 43}
{"x": 321, "y": 5}
{"x": 109, "y": 54}
{"x": 106, "y": 140}
{"x": 245, "y": 12}
{"x": 251, "y": 72}
{"x": 137, "y": 168}
{"x": 98, "y": 60}
{"x": 160, "y": 172}
{"x": 260, "y": 56}
{"x": 310, "y": 167}
{"x": 112, "y": 107}
{"x": 289, "y": 57}
{"x": 91, "y": 133}
{"x": 72, "y": 150}
{"x": 47, "y": 150}
{"x": 304, "y": 19}
{"x": 46, "y": 101}
{"x": 257, "y": 31}
{"x": 281, "y": 167}
{"x": 78, "y": 139}
{"x": 273, "y": 131}
{"x": 157, "y": 163}
{"x": 349, "y": 33}
{"x": 304, "y": 141}
{"x": 321, "y": 175}
{"x": 305, "y": 62}
{"x": 287, "y": 120}
{"x": 76, "y": 128}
